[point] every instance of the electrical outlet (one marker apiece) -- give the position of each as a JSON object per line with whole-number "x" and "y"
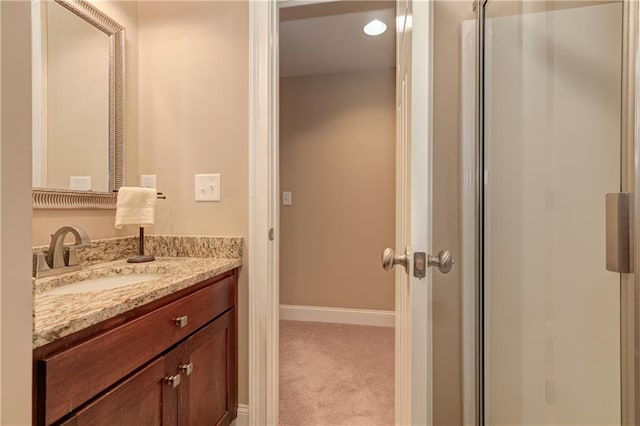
{"x": 80, "y": 183}
{"x": 148, "y": 181}
{"x": 207, "y": 187}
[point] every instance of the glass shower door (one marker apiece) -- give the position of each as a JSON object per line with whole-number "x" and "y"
{"x": 551, "y": 151}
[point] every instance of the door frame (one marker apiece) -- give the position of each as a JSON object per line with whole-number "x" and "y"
{"x": 264, "y": 215}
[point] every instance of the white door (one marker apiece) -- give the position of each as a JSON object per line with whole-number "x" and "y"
{"x": 412, "y": 253}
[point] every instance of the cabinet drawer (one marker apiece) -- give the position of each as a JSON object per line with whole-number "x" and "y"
{"x": 72, "y": 377}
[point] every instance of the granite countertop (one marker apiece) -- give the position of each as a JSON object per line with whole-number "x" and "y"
{"x": 56, "y": 316}
{"x": 59, "y": 315}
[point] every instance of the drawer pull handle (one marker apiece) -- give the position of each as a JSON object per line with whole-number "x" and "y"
{"x": 187, "y": 369}
{"x": 182, "y": 321}
{"x": 173, "y": 381}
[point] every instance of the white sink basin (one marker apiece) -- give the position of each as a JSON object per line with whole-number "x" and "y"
{"x": 103, "y": 283}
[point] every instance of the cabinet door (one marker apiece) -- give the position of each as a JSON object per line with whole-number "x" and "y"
{"x": 205, "y": 395}
{"x": 136, "y": 401}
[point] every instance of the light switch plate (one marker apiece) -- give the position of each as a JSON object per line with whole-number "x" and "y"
{"x": 207, "y": 187}
{"x": 148, "y": 181}
{"x": 286, "y": 198}
{"x": 80, "y": 183}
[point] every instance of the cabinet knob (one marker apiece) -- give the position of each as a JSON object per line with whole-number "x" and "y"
{"x": 182, "y": 321}
{"x": 173, "y": 381}
{"x": 186, "y": 369}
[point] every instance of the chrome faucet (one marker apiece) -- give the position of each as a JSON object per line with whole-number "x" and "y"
{"x": 56, "y": 254}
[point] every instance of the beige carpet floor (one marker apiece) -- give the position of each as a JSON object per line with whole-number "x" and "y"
{"x": 335, "y": 374}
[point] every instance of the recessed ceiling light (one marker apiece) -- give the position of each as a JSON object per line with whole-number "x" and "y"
{"x": 375, "y": 28}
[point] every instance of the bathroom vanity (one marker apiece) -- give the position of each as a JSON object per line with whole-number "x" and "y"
{"x": 161, "y": 351}
{"x": 116, "y": 343}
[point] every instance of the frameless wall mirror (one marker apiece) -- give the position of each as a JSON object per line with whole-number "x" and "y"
{"x": 78, "y": 90}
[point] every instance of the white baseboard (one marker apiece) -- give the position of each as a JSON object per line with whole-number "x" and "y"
{"x": 243, "y": 416}
{"x": 337, "y": 315}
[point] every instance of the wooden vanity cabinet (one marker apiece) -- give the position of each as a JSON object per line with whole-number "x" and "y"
{"x": 205, "y": 395}
{"x": 192, "y": 382}
{"x": 138, "y": 400}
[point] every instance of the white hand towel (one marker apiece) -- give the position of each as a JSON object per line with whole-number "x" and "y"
{"x": 136, "y": 206}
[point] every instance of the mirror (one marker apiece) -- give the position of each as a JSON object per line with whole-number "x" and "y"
{"x": 78, "y": 89}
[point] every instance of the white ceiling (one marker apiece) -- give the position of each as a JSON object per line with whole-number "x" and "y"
{"x": 336, "y": 44}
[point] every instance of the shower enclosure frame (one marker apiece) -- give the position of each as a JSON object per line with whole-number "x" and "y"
{"x": 630, "y": 182}
{"x": 474, "y": 400}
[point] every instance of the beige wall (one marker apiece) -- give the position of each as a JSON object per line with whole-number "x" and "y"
{"x": 194, "y": 119}
{"x": 337, "y": 156}
{"x": 99, "y": 223}
{"x": 447, "y": 308}
{"x": 15, "y": 216}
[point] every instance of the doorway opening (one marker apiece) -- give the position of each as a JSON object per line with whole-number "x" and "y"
{"x": 337, "y": 89}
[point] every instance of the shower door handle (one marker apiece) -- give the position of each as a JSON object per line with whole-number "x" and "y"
{"x": 619, "y": 232}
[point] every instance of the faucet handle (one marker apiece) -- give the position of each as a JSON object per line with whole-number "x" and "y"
{"x": 70, "y": 258}
{"x": 39, "y": 263}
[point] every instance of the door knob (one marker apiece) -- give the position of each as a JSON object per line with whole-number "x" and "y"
{"x": 390, "y": 259}
{"x": 442, "y": 261}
